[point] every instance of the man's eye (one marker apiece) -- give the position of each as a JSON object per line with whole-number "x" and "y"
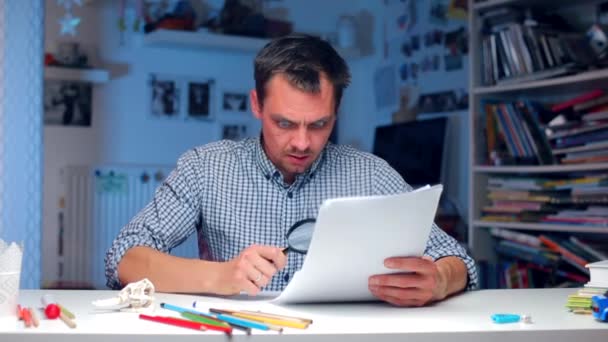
{"x": 284, "y": 124}
{"x": 319, "y": 124}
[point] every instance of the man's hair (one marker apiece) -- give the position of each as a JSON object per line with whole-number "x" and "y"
{"x": 302, "y": 59}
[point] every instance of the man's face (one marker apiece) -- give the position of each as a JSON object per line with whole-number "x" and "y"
{"x": 295, "y": 124}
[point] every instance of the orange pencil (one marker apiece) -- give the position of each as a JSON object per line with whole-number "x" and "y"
{"x": 27, "y": 317}
{"x": 35, "y": 319}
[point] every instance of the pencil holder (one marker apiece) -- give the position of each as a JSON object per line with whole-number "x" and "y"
{"x": 10, "y": 272}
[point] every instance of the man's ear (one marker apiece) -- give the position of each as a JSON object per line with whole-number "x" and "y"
{"x": 255, "y": 104}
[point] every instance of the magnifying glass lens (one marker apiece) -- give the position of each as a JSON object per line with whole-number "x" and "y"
{"x": 299, "y": 236}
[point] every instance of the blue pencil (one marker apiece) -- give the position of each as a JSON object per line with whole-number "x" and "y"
{"x": 244, "y": 322}
{"x": 179, "y": 309}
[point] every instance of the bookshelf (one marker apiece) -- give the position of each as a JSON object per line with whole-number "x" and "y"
{"x": 548, "y": 91}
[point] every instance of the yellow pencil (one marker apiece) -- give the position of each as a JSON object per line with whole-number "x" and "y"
{"x": 68, "y": 321}
{"x": 66, "y": 311}
{"x": 270, "y": 315}
{"x": 276, "y": 321}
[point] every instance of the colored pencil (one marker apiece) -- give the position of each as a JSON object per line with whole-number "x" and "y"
{"x": 208, "y": 318}
{"x": 35, "y": 319}
{"x": 27, "y": 317}
{"x": 174, "y": 321}
{"x": 67, "y": 320}
{"x": 179, "y": 309}
{"x": 266, "y": 320}
{"x": 248, "y": 323}
{"x": 19, "y": 312}
{"x": 224, "y": 327}
{"x": 270, "y": 315}
{"x": 65, "y": 311}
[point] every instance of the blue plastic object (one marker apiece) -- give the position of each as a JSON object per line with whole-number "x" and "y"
{"x": 599, "y": 307}
{"x": 505, "y": 318}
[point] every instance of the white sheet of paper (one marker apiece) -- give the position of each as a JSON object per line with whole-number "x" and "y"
{"x": 352, "y": 238}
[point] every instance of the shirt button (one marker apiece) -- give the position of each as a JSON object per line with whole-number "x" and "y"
{"x": 289, "y": 194}
{"x": 286, "y": 277}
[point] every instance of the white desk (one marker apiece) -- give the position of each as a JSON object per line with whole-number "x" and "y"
{"x": 463, "y": 318}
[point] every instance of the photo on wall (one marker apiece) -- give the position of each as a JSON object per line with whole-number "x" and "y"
{"x": 235, "y": 101}
{"x": 234, "y": 131}
{"x": 164, "y": 92}
{"x": 199, "y": 99}
{"x": 67, "y": 103}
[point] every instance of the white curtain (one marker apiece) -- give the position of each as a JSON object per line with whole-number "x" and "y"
{"x": 21, "y": 77}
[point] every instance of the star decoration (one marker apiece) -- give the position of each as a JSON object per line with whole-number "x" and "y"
{"x": 68, "y": 24}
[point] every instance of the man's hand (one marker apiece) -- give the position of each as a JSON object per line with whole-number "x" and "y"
{"x": 426, "y": 281}
{"x": 251, "y": 270}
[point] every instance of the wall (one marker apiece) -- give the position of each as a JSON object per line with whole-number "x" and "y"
{"x": 363, "y": 116}
{"x": 21, "y": 25}
{"x": 123, "y": 131}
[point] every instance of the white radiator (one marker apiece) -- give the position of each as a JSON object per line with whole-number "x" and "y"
{"x": 99, "y": 201}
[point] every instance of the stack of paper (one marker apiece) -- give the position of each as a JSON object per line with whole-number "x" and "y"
{"x": 598, "y": 274}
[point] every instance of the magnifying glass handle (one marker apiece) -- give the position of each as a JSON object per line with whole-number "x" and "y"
{"x": 285, "y": 250}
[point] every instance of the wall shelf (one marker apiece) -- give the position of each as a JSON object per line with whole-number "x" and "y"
{"x": 587, "y": 79}
{"x": 544, "y": 4}
{"x": 74, "y": 74}
{"x": 540, "y": 168}
{"x": 205, "y": 40}
{"x": 541, "y": 227}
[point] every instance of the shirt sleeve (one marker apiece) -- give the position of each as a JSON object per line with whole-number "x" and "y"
{"x": 165, "y": 222}
{"x": 440, "y": 244}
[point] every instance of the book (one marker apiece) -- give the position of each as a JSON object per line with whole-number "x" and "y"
{"x": 571, "y": 258}
{"x": 595, "y": 116}
{"x": 590, "y": 103}
{"x": 598, "y": 274}
{"x": 558, "y": 107}
{"x": 523, "y": 238}
{"x": 590, "y": 249}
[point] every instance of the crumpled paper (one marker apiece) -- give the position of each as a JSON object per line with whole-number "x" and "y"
{"x": 10, "y": 273}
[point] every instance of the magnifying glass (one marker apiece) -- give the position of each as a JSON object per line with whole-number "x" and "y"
{"x": 299, "y": 236}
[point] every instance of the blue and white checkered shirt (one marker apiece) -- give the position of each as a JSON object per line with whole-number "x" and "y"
{"x": 232, "y": 196}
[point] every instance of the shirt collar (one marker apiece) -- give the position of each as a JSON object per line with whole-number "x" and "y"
{"x": 269, "y": 170}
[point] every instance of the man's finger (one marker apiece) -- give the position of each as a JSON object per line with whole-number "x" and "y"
{"x": 263, "y": 266}
{"x": 411, "y": 264}
{"x": 406, "y": 280}
{"x": 400, "y": 296}
{"x": 273, "y": 254}
{"x": 250, "y": 288}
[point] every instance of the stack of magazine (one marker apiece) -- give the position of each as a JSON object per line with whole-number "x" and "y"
{"x": 518, "y": 45}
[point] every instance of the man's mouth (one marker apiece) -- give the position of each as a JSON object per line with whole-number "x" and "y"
{"x": 298, "y": 158}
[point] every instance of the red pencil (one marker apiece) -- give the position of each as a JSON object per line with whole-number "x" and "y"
{"x": 19, "y": 312}
{"x": 174, "y": 321}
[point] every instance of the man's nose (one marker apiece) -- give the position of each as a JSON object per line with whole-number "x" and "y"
{"x": 301, "y": 141}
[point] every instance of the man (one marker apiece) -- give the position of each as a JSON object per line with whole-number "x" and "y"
{"x": 242, "y": 197}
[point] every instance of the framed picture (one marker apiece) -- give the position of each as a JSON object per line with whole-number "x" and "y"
{"x": 200, "y": 94}
{"x": 164, "y": 94}
{"x": 235, "y": 101}
{"x": 234, "y": 131}
{"x": 67, "y": 103}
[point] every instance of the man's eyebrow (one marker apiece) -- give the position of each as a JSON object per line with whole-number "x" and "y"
{"x": 278, "y": 117}
{"x": 325, "y": 118}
